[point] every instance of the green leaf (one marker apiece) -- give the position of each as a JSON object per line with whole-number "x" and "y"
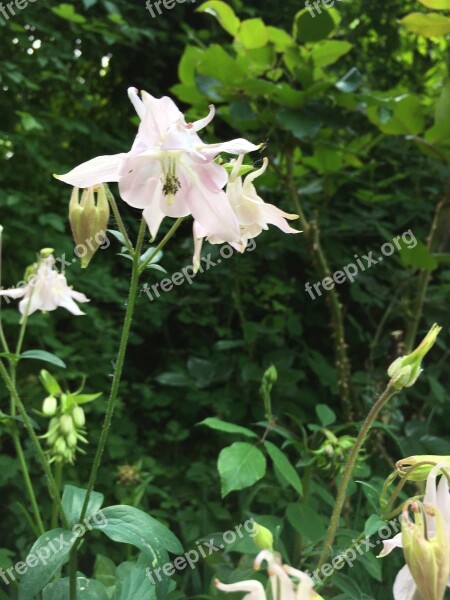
{"x": 220, "y": 425}
{"x": 50, "y": 383}
{"x": 305, "y": 520}
{"x": 325, "y": 415}
{"x": 442, "y": 110}
{"x": 73, "y": 500}
{"x": 309, "y": 28}
{"x": 282, "y": 463}
{"x": 373, "y": 525}
{"x": 350, "y": 82}
{"x": 406, "y": 117}
{"x": 253, "y": 34}
{"x": 132, "y": 582}
{"x": 10, "y": 356}
{"x": 240, "y": 466}
{"x": 347, "y": 585}
{"x": 280, "y": 38}
{"x": 85, "y": 398}
{"x": 67, "y": 12}
{"x": 45, "y": 356}
{"x": 48, "y": 554}
{"x": 427, "y": 25}
{"x": 87, "y": 589}
{"x": 105, "y": 570}
{"x": 301, "y": 125}
{"x": 329, "y": 51}
{"x": 223, "y": 13}
{"x": 436, "y": 4}
{"x": 418, "y": 257}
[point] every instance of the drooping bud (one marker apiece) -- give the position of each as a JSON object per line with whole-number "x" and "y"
{"x": 88, "y": 221}
{"x": 263, "y": 538}
{"x": 428, "y": 559}
{"x": 422, "y": 471}
{"x": 66, "y": 425}
{"x": 78, "y": 416}
{"x": 405, "y": 370}
{"x": 49, "y": 406}
{"x": 46, "y": 252}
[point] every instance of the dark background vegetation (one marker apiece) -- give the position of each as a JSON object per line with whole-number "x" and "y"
{"x": 201, "y": 350}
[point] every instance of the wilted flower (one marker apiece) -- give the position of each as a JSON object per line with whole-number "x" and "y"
{"x": 405, "y": 370}
{"x": 169, "y": 171}
{"x": 46, "y": 289}
{"x": 426, "y": 543}
{"x": 286, "y": 582}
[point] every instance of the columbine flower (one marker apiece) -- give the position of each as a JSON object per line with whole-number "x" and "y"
{"x": 169, "y": 171}
{"x": 253, "y": 214}
{"x": 46, "y": 290}
{"x": 423, "y": 470}
{"x": 426, "y": 544}
{"x": 405, "y": 370}
{"x": 286, "y": 582}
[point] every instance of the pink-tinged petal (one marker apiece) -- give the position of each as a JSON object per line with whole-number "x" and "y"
{"x": 79, "y": 296}
{"x": 198, "y": 242}
{"x": 141, "y": 183}
{"x": 30, "y": 305}
{"x": 68, "y": 303}
{"x": 389, "y": 545}
{"x": 443, "y": 500}
{"x": 280, "y": 580}
{"x": 237, "y": 146}
{"x": 254, "y": 588}
{"x": 211, "y": 209}
{"x": 404, "y": 586}
{"x": 277, "y": 217}
{"x": 153, "y": 216}
{"x": 14, "y": 292}
{"x": 201, "y": 123}
{"x": 133, "y": 95}
{"x": 160, "y": 114}
{"x": 213, "y": 176}
{"x": 102, "y": 169}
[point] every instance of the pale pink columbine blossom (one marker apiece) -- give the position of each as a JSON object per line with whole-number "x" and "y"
{"x": 253, "y": 214}
{"x": 169, "y": 171}
{"x": 286, "y": 582}
{"x": 46, "y": 290}
{"x": 435, "y": 496}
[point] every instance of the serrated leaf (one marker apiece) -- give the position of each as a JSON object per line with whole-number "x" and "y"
{"x": 240, "y": 466}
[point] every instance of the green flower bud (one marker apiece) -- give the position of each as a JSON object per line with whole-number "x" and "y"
{"x": 88, "y": 221}
{"x": 78, "y": 416}
{"x": 49, "y": 406}
{"x": 72, "y": 440}
{"x": 66, "y": 425}
{"x": 60, "y": 446}
{"x": 405, "y": 370}
{"x": 46, "y": 252}
{"x": 263, "y": 538}
{"x": 270, "y": 375}
{"x": 422, "y": 471}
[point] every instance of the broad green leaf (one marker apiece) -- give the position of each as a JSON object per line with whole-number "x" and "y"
{"x": 348, "y": 585}
{"x": 429, "y": 25}
{"x": 67, "y": 12}
{"x": 282, "y": 463}
{"x": 280, "y": 38}
{"x": 49, "y": 553}
{"x": 329, "y": 51}
{"x": 325, "y": 415}
{"x": 218, "y": 64}
{"x": 300, "y": 124}
{"x": 87, "y": 589}
{"x": 253, "y": 33}
{"x": 220, "y": 425}
{"x": 130, "y": 525}
{"x": 442, "y": 110}
{"x": 312, "y": 28}
{"x": 240, "y": 465}
{"x": 418, "y": 257}
{"x": 373, "y": 524}
{"x": 223, "y": 13}
{"x": 132, "y": 582}
{"x": 85, "y": 398}
{"x": 45, "y": 356}
{"x": 73, "y": 500}
{"x": 306, "y": 521}
{"x": 105, "y": 570}
{"x": 10, "y": 356}
{"x": 404, "y": 116}
{"x": 350, "y": 82}
{"x": 436, "y": 4}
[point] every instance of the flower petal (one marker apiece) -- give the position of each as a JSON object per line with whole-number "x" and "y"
{"x": 255, "y": 588}
{"x": 404, "y": 586}
{"x": 102, "y": 169}
{"x": 389, "y": 545}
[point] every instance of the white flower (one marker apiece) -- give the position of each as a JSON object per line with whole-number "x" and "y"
{"x": 46, "y": 290}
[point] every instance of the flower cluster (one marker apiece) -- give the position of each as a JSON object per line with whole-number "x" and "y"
{"x": 286, "y": 582}
{"x": 170, "y": 172}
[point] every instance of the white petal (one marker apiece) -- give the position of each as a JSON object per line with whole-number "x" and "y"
{"x": 255, "y": 588}
{"x": 237, "y": 146}
{"x": 102, "y": 169}
{"x": 137, "y": 102}
{"x": 404, "y": 586}
{"x": 14, "y": 292}
{"x": 389, "y": 545}
{"x": 201, "y": 123}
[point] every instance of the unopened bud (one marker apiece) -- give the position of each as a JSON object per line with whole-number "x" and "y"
{"x": 49, "y": 406}
{"x": 405, "y": 370}
{"x": 263, "y": 538}
{"x": 66, "y": 424}
{"x": 72, "y": 440}
{"x": 88, "y": 221}
{"x": 423, "y": 470}
{"x": 78, "y": 416}
{"x": 46, "y": 252}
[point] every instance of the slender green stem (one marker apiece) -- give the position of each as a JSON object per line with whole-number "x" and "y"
{"x": 29, "y": 486}
{"x": 58, "y": 480}
{"x": 349, "y": 467}
{"x": 119, "y": 220}
{"x": 161, "y": 244}
{"x": 53, "y": 489}
{"x": 2, "y": 333}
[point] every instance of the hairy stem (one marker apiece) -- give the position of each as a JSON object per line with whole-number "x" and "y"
{"x": 348, "y": 470}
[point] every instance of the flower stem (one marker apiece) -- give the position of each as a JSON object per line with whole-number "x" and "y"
{"x": 2, "y": 333}
{"x": 349, "y": 467}
{"x": 53, "y": 488}
{"x": 58, "y": 480}
{"x": 118, "y": 217}
{"x": 161, "y": 244}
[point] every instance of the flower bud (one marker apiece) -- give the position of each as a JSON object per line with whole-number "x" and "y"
{"x": 46, "y": 252}
{"x": 60, "y": 446}
{"x": 78, "y": 416}
{"x": 428, "y": 559}
{"x": 66, "y": 425}
{"x": 422, "y": 471}
{"x": 405, "y": 370}
{"x": 263, "y": 538}
{"x": 72, "y": 440}
{"x": 49, "y": 406}
{"x": 88, "y": 221}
